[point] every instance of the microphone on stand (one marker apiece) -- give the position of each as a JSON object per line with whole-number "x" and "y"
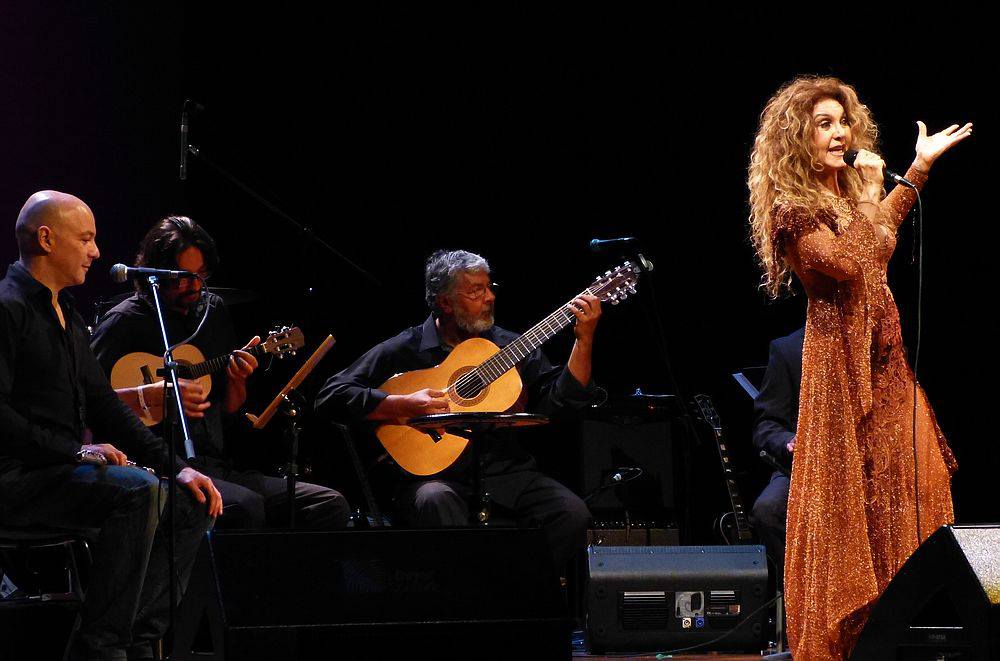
{"x": 851, "y": 154}
{"x": 184, "y": 143}
{"x": 599, "y": 245}
{"x": 122, "y": 273}
{"x": 196, "y": 107}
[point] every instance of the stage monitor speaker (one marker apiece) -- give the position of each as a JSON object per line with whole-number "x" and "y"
{"x": 944, "y": 603}
{"x": 608, "y": 445}
{"x": 658, "y": 598}
{"x": 458, "y": 593}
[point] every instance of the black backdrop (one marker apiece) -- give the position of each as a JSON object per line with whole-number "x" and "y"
{"x": 516, "y": 133}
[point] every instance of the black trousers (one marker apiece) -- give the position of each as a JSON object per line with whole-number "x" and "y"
{"x": 127, "y": 599}
{"x": 251, "y": 499}
{"x": 769, "y": 517}
{"x": 531, "y": 497}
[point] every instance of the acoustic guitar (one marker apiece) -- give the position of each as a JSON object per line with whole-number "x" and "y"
{"x": 139, "y": 368}
{"x": 480, "y": 376}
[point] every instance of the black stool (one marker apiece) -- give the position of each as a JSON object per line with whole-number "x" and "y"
{"x": 20, "y": 542}
{"x": 40, "y": 621}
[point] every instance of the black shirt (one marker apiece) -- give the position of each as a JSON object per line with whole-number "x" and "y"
{"x": 51, "y": 387}
{"x": 353, "y": 393}
{"x": 132, "y": 326}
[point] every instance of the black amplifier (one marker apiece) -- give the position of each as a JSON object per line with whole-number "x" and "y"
{"x": 656, "y": 598}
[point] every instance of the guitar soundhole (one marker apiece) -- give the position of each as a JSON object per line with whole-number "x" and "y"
{"x": 467, "y": 391}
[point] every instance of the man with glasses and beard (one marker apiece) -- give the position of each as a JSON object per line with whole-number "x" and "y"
{"x": 459, "y": 292}
{"x": 252, "y": 499}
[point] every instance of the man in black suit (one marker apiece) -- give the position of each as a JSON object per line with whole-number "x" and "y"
{"x": 776, "y": 413}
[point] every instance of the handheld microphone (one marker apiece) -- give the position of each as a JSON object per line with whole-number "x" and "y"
{"x": 851, "y": 154}
{"x": 122, "y": 273}
{"x": 597, "y": 245}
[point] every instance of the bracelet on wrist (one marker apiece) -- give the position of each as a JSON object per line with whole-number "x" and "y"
{"x": 142, "y": 400}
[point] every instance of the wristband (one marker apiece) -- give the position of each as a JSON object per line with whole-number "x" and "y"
{"x": 142, "y": 400}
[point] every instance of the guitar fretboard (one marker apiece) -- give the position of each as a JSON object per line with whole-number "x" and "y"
{"x": 214, "y": 365}
{"x": 508, "y": 358}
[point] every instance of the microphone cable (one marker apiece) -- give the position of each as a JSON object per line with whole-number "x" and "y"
{"x": 918, "y": 253}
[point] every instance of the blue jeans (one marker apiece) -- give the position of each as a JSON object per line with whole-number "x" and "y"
{"x": 127, "y": 599}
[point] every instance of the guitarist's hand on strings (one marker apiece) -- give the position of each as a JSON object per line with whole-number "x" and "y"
{"x": 241, "y": 366}
{"x": 587, "y": 309}
{"x": 241, "y": 363}
{"x": 403, "y": 407}
{"x": 423, "y": 402}
{"x": 193, "y": 398}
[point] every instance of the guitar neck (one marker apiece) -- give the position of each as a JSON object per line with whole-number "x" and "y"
{"x": 214, "y": 365}
{"x": 742, "y": 525}
{"x": 508, "y": 357}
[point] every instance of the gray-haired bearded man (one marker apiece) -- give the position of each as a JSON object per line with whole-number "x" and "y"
{"x": 459, "y": 293}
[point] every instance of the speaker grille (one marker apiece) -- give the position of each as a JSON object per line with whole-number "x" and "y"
{"x": 645, "y": 610}
{"x": 980, "y": 545}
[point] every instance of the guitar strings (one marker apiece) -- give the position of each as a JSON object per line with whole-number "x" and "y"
{"x": 495, "y": 366}
{"x": 491, "y": 367}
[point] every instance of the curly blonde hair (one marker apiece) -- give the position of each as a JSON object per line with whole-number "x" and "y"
{"x": 784, "y": 168}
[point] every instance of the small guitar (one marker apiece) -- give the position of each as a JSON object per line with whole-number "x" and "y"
{"x": 138, "y": 368}
{"x": 479, "y": 376}
{"x": 740, "y": 529}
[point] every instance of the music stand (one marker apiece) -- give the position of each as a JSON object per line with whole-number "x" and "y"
{"x": 750, "y": 379}
{"x": 291, "y": 402}
{"x": 472, "y": 426}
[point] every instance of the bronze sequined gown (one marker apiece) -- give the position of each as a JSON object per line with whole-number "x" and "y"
{"x": 852, "y": 518}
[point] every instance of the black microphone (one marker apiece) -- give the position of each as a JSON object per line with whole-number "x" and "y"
{"x": 851, "y": 154}
{"x": 196, "y": 107}
{"x": 626, "y": 473}
{"x": 597, "y": 245}
{"x": 184, "y": 143}
{"x": 122, "y": 273}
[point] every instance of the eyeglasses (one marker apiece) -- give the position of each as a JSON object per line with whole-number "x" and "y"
{"x": 479, "y": 291}
{"x": 188, "y": 280}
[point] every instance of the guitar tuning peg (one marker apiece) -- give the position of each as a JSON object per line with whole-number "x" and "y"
{"x": 631, "y": 288}
{"x": 607, "y": 273}
{"x": 614, "y": 301}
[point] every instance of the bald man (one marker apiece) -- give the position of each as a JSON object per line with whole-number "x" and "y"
{"x": 51, "y": 392}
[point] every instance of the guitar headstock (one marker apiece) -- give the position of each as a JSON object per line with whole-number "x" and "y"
{"x": 617, "y": 284}
{"x": 283, "y": 341}
{"x": 707, "y": 412}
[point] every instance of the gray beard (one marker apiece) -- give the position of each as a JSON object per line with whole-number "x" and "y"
{"x": 474, "y": 326}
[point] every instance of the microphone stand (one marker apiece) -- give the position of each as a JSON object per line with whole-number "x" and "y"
{"x": 303, "y": 229}
{"x": 170, "y": 368}
{"x": 291, "y": 403}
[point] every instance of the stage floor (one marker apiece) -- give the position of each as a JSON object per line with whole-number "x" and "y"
{"x": 714, "y": 656}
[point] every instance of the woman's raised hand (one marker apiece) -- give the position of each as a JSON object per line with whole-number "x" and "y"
{"x": 930, "y": 147}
